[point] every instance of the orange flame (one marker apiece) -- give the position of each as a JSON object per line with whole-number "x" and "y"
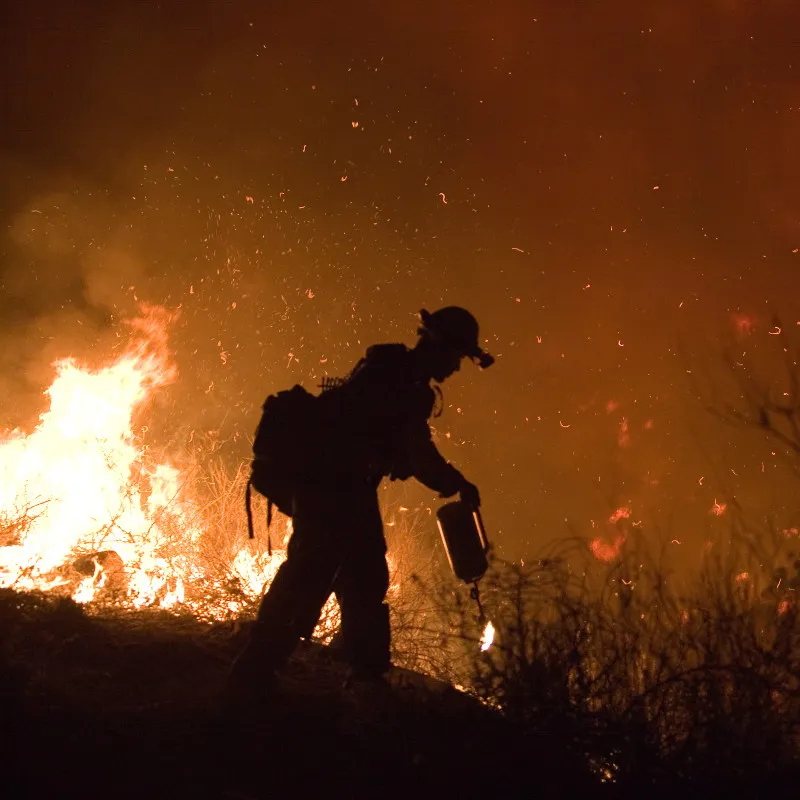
{"x": 84, "y": 505}
{"x": 83, "y": 472}
{"x": 487, "y": 638}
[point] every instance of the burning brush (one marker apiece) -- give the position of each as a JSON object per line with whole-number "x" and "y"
{"x": 87, "y": 511}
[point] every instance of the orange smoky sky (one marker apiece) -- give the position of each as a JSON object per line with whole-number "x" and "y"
{"x": 612, "y": 188}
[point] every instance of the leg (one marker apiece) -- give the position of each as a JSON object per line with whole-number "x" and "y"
{"x": 300, "y": 588}
{"x": 361, "y": 587}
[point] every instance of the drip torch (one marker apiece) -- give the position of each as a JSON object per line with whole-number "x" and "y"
{"x": 466, "y": 545}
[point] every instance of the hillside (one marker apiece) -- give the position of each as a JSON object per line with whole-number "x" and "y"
{"x": 130, "y": 706}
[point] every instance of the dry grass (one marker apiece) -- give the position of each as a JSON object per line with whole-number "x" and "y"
{"x": 644, "y": 682}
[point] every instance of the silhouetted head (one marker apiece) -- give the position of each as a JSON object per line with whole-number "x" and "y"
{"x": 447, "y": 336}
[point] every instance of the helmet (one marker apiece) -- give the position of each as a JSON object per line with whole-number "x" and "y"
{"x": 457, "y": 328}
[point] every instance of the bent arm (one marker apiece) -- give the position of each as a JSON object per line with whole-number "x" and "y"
{"x": 428, "y": 465}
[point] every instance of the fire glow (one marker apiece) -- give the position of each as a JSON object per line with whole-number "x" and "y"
{"x": 83, "y": 502}
{"x": 487, "y": 637}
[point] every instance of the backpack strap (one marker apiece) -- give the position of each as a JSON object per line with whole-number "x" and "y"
{"x": 248, "y": 495}
{"x": 248, "y": 508}
{"x": 269, "y": 523}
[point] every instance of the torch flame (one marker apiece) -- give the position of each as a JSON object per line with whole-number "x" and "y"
{"x": 488, "y": 637}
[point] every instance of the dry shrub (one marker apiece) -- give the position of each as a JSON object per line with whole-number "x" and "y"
{"x": 640, "y": 680}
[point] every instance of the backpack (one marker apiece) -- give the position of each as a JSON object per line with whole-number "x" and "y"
{"x": 284, "y": 448}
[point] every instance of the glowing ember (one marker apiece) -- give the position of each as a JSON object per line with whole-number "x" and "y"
{"x": 610, "y": 551}
{"x": 488, "y": 636}
{"x": 623, "y": 512}
{"x": 605, "y": 551}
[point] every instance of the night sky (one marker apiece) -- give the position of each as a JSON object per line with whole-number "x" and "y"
{"x": 612, "y": 188}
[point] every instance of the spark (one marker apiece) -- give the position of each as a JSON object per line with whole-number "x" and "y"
{"x": 518, "y": 249}
{"x": 676, "y": 541}
{"x": 718, "y": 508}
{"x": 343, "y": 178}
{"x": 444, "y": 198}
{"x": 776, "y": 332}
{"x": 619, "y": 342}
{"x": 564, "y": 425}
{"x": 700, "y": 480}
{"x": 538, "y": 339}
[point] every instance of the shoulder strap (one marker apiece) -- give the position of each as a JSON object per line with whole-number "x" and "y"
{"x": 248, "y": 495}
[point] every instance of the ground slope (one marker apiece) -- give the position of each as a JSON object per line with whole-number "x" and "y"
{"x": 131, "y": 705}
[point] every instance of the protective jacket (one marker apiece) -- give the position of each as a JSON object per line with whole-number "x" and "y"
{"x": 380, "y": 414}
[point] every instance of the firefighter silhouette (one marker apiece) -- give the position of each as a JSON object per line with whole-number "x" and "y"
{"x": 380, "y": 414}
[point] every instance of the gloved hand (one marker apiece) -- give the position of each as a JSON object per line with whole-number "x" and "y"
{"x": 469, "y": 494}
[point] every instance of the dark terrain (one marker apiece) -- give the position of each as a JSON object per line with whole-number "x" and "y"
{"x": 131, "y": 705}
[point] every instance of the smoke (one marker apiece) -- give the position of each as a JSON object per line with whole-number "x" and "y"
{"x": 298, "y": 180}
{"x": 65, "y": 275}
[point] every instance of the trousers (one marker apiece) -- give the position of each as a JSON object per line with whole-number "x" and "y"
{"x": 337, "y": 546}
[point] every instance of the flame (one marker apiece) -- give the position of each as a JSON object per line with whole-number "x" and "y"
{"x": 487, "y": 638}
{"x": 84, "y": 504}
{"x": 80, "y": 481}
{"x": 87, "y": 510}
